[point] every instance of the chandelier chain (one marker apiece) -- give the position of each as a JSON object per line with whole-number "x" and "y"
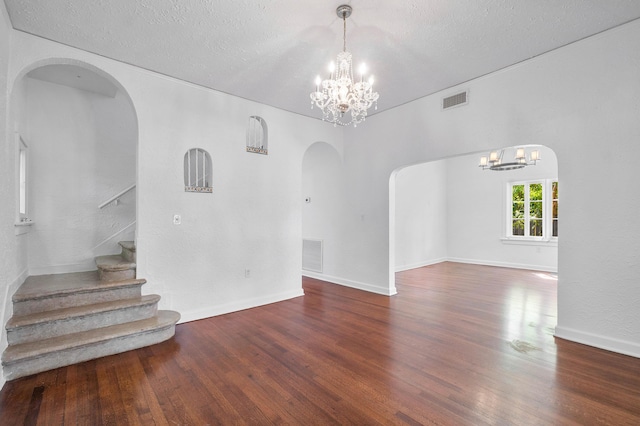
{"x": 344, "y": 31}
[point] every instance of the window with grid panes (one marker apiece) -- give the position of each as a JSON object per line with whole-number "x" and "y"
{"x": 533, "y": 210}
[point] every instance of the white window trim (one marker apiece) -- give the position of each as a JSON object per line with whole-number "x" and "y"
{"x": 547, "y": 221}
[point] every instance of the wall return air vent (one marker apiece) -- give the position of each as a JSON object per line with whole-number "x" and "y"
{"x": 312, "y": 255}
{"x": 455, "y": 100}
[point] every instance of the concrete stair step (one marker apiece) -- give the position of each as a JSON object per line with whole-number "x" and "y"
{"x": 34, "y": 357}
{"x": 48, "y": 324}
{"x": 115, "y": 268}
{"x": 128, "y": 250}
{"x": 50, "y": 292}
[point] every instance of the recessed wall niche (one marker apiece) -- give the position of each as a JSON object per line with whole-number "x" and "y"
{"x": 197, "y": 171}
{"x": 257, "y": 136}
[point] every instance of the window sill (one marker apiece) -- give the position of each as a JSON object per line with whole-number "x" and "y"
{"x": 23, "y": 227}
{"x": 530, "y": 242}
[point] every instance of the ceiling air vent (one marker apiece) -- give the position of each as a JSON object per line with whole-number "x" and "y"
{"x": 455, "y": 100}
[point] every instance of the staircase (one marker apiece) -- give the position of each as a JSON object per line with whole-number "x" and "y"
{"x": 64, "y": 319}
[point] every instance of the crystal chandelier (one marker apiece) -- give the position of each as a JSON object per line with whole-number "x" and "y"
{"x": 495, "y": 160}
{"x": 340, "y": 94}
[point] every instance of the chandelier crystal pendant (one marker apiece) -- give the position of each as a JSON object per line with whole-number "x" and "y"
{"x": 495, "y": 160}
{"x": 341, "y": 99}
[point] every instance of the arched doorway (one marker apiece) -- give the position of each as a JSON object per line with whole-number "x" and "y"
{"x": 451, "y": 209}
{"x": 468, "y": 235}
{"x": 81, "y": 130}
{"x": 323, "y": 208}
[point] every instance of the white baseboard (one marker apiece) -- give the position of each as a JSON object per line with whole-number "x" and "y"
{"x": 420, "y": 264}
{"x": 89, "y": 265}
{"x": 386, "y": 291}
{"x": 542, "y": 268}
{"x": 235, "y": 306}
{"x": 624, "y": 347}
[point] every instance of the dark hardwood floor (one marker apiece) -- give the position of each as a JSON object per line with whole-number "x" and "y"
{"x": 459, "y": 344}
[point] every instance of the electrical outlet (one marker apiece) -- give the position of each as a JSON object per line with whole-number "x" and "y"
{"x": 247, "y": 273}
{"x": 177, "y": 220}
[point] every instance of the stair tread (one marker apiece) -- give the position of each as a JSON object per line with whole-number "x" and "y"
{"x": 44, "y": 286}
{"x": 114, "y": 262}
{"x": 78, "y": 311}
{"x": 129, "y": 245}
{"x": 22, "y": 351}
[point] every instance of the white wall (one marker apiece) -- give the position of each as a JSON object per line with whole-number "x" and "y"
{"x": 477, "y": 215}
{"x": 581, "y": 101}
{"x": 421, "y": 215}
{"x": 82, "y": 148}
{"x": 253, "y": 218}
{"x": 13, "y": 260}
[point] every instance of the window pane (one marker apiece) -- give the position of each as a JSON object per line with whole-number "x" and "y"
{"x": 23, "y": 182}
{"x": 555, "y": 228}
{"x": 555, "y": 209}
{"x": 554, "y": 190}
{"x": 535, "y": 228}
{"x": 518, "y": 193}
{"x": 535, "y": 192}
{"x": 518, "y": 227}
{"x": 535, "y": 210}
{"x": 518, "y": 210}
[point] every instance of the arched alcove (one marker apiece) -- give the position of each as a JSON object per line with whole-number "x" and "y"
{"x": 198, "y": 171}
{"x": 323, "y": 201}
{"x": 81, "y": 128}
{"x": 257, "y": 140}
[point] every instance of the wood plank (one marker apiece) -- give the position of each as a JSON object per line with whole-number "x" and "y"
{"x": 459, "y": 344}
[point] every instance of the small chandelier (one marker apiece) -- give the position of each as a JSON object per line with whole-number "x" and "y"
{"x": 340, "y": 94}
{"x": 495, "y": 160}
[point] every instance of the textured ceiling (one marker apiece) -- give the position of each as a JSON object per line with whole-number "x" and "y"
{"x": 271, "y": 51}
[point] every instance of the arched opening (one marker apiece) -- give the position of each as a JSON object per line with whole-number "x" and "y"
{"x": 81, "y": 130}
{"x": 451, "y": 209}
{"x": 323, "y": 208}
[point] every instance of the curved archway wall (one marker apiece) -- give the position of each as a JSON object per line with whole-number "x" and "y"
{"x": 571, "y": 100}
{"x": 81, "y": 129}
{"x": 451, "y": 209}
